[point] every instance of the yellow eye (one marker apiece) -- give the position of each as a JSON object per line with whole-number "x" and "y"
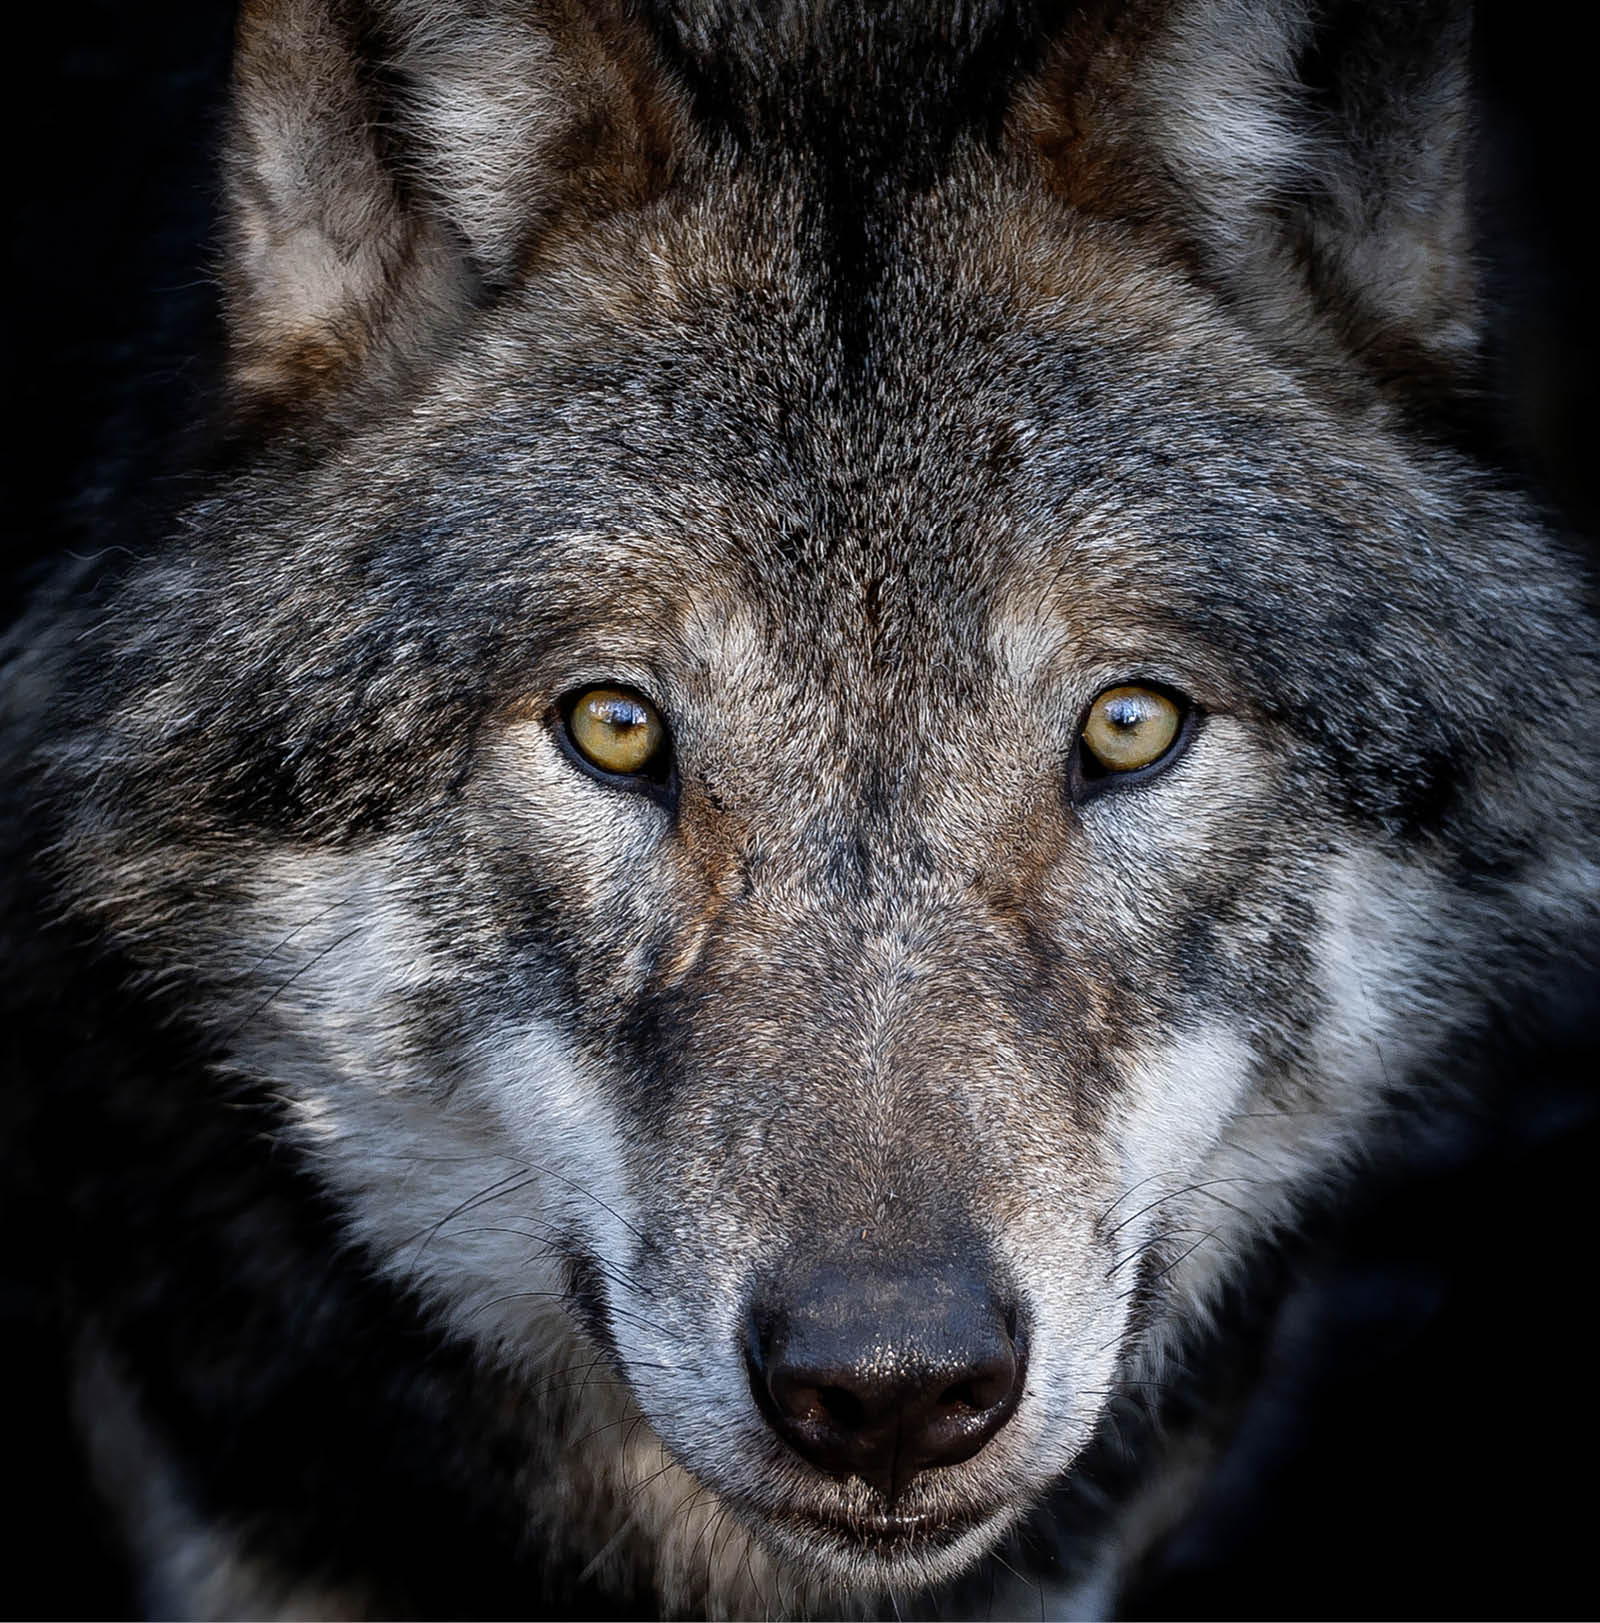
{"x": 1131, "y": 727}
{"x": 616, "y": 731}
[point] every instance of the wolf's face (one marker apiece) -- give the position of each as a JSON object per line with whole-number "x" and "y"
{"x": 853, "y": 845}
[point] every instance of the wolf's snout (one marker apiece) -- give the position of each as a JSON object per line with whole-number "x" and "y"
{"x": 882, "y": 1374}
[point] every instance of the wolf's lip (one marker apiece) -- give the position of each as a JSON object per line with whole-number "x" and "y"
{"x": 888, "y": 1531}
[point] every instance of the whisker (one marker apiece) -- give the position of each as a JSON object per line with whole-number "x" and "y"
{"x": 667, "y": 1465}
{"x": 1188, "y": 1189}
{"x": 289, "y": 980}
{"x": 565, "y": 1296}
{"x": 1126, "y": 1193}
{"x": 589, "y": 1194}
{"x": 628, "y": 1522}
{"x": 1032, "y": 1583}
{"x": 1137, "y": 1251}
{"x": 517, "y": 1180}
{"x": 246, "y": 976}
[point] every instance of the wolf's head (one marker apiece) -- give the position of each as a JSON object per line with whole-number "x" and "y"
{"x": 836, "y": 731}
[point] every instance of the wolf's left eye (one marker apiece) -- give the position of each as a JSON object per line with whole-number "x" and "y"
{"x": 1128, "y": 728}
{"x": 618, "y": 732}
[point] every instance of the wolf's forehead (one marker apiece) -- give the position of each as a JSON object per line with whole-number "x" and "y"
{"x": 1037, "y": 446}
{"x": 755, "y": 425}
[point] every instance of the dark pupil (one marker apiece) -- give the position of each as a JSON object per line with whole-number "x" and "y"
{"x": 621, "y": 715}
{"x": 1126, "y": 714}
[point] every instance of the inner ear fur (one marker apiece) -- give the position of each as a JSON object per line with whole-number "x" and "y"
{"x": 1308, "y": 159}
{"x": 392, "y": 163}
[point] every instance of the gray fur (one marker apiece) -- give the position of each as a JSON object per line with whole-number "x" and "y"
{"x": 871, "y": 464}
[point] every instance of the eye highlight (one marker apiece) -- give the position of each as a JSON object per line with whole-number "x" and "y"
{"x": 1128, "y": 728}
{"x": 617, "y": 732}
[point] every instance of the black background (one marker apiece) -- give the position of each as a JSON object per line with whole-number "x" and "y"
{"x": 1424, "y": 1442}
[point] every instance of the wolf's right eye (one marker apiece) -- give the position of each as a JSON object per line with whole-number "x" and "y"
{"x": 1128, "y": 733}
{"x": 1131, "y": 727}
{"x": 619, "y": 732}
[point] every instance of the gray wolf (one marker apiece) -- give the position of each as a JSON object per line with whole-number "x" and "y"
{"x": 847, "y": 714}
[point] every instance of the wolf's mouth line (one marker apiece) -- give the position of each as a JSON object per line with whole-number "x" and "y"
{"x": 886, "y": 1530}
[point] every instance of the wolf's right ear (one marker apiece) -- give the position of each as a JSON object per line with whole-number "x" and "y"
{"x": 392, "y": 162}
{"x": 1309, "y": 159}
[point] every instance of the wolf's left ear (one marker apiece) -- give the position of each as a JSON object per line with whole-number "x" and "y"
{"x": 1310, "y": 157}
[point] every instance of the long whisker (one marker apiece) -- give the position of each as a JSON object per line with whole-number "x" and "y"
{"x": 517, "y": 1180}
{"x": 1174, "y": 1194}
{"x": 248, "y": 975}
{"x": 289, "y": 980}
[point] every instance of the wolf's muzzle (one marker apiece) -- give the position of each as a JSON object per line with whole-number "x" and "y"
{"x": 881, "y": 1372}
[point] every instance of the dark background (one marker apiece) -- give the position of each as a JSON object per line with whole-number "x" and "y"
{"x": 1424, "y": 1439}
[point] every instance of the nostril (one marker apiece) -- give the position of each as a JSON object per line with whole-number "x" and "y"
{"x": 843, "y": 1408}
{"x": 976, "y": 1395}
{"x": 811, "y": 1405}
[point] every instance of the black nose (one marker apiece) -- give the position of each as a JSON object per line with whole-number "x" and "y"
{"x": 880, "y": 1372}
